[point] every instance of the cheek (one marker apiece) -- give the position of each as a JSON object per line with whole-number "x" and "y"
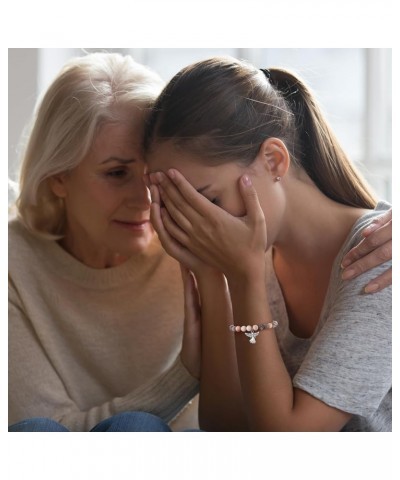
{"x": 233, "y": 204}
{"x": 94, "y": 197}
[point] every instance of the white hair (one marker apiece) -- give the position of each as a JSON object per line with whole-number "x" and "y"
{"x": 88, "y": 92}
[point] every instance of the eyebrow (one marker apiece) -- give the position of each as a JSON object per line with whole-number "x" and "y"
{"x": 201, "y": 190}
{"x": 117, "y": 159}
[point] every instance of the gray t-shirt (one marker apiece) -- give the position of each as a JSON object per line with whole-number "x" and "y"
{"x": 347, "y": 362}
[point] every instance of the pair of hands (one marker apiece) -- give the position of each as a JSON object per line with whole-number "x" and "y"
{"x": 199, "y": 235}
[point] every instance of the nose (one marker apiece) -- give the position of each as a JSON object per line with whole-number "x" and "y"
{"x": 138, "y": 195}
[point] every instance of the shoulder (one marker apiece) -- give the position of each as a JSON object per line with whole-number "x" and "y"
{"x": 21, "y": 240}
{"x": 355, "y": 233}
{"x": 346, "y": 303}
{"x": 27, "y": 253}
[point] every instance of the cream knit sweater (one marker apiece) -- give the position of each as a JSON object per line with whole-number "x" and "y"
{"x": 84, "y": 343}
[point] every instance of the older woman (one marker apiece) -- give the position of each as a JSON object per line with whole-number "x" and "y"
{"x": 95, "y": 304}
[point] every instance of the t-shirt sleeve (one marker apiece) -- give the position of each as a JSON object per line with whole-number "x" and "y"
{"x": 348, "y": 365}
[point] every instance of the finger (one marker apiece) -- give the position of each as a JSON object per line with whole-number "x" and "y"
{"x": 171, "y": 246}
{"x": 171, "y": 191}
{"x": 155, "y": 194}
{"x": 377, "y": 257}
{"x": 381, "y": 238}
{"x": 178, "y": 213}
{"x": 146, "y": 180}
{"x": 173, "y": 229}
{"x": 378, "y": 222}
{"x": 379, "y": 283}
{"x": 191, "y": 299}
{"x": 196, "y": 200}
{"x": 184, "y": 272}
{"x": 250, "y": 198}
{"x": 376, "y": 234}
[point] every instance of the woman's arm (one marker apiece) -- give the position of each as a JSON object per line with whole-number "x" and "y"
{"x": 271, "y": 402}
{"x": 374, "y": 249}
{"x": 36, "y": 389}
{"x": 220, "y": 401}
{"x": 221, "y": 404}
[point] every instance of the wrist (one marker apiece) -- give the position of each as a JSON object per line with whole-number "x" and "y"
{"x": 207, "y": 276}
{"x": 252, "y": 275}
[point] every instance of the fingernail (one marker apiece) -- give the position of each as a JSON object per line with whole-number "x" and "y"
{"x": 171, "y": 173}
{"x": 159, "y": 176}
{"x": 370, "y": 288}
{"x": 371, "y": 228}
{"x": 345, "y": 263}
{"x": 347, "y": 274}
{"x": 153, "y": 178}
{"x": 246, "y": 180}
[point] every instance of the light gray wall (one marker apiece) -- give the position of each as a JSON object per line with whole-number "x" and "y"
{"x": 358, "y": 105}
{"x": 23, "y": 64}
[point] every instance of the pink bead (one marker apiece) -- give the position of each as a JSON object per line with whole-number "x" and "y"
{"x": 243, "y": 329}
{"x": 237, "y": 329}
{"x": 248, "y": 328}
{"x": 255, "y": 327}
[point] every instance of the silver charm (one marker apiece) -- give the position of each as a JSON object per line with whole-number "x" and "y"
{"x": 252, "y": 336}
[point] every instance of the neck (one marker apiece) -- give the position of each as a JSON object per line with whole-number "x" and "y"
{"x": 91, "y": 257}
{"x": 314, "y": 227}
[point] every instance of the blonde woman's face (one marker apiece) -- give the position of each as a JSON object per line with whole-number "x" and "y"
{"x": 107, "y": 202}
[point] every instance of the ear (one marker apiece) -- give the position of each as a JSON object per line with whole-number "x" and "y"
{"x": 275, "y": 156}
{"x": 58, "y": 185}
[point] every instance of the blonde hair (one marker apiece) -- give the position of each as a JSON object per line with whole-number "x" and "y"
{"x": 88, "y": 92}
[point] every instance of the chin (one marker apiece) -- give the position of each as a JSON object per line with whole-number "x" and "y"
{"x": 139, "y": 245}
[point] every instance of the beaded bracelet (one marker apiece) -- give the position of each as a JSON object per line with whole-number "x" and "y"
{"x": 252, "y": 331}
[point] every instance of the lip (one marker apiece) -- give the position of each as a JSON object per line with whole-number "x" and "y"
{"x": 135, "y": 226}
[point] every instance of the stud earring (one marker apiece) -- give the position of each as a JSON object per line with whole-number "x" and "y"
{"x": 277, "y": 179}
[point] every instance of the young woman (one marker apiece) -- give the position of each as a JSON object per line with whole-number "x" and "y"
{"x": 252, "y": 192}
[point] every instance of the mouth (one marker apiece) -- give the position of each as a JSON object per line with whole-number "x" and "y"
{"x": 136, "y": 226}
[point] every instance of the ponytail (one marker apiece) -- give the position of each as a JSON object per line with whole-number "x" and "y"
{"x": 224, "y": 109}
{"x": 318, "y": 150}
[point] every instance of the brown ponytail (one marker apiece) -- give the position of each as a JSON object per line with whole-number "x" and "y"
{"x": 318, "y": 150}
{"x": 224, "y": 109}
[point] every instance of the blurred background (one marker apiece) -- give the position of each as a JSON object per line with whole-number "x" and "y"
{"x": 353, "y": 85}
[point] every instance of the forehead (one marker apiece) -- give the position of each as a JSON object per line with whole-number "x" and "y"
{"x": 118, "y": 136}
{"x": 166, "y": 155}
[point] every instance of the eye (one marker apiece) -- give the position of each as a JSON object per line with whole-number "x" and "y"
{"x": 117, "y": 173}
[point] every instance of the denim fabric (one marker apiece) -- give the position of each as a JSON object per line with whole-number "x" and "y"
{"x": 38, "y": 424}
{"x": 132, "y": 422}
{"x": 122, "y": 422}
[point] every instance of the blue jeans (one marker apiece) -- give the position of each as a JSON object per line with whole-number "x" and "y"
{"x": 122, "y": 422}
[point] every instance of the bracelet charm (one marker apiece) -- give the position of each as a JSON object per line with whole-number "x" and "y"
{"x": 252, "y": 331}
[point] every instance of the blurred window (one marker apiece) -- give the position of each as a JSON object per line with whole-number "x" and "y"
{"x": 353, "y": 86}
